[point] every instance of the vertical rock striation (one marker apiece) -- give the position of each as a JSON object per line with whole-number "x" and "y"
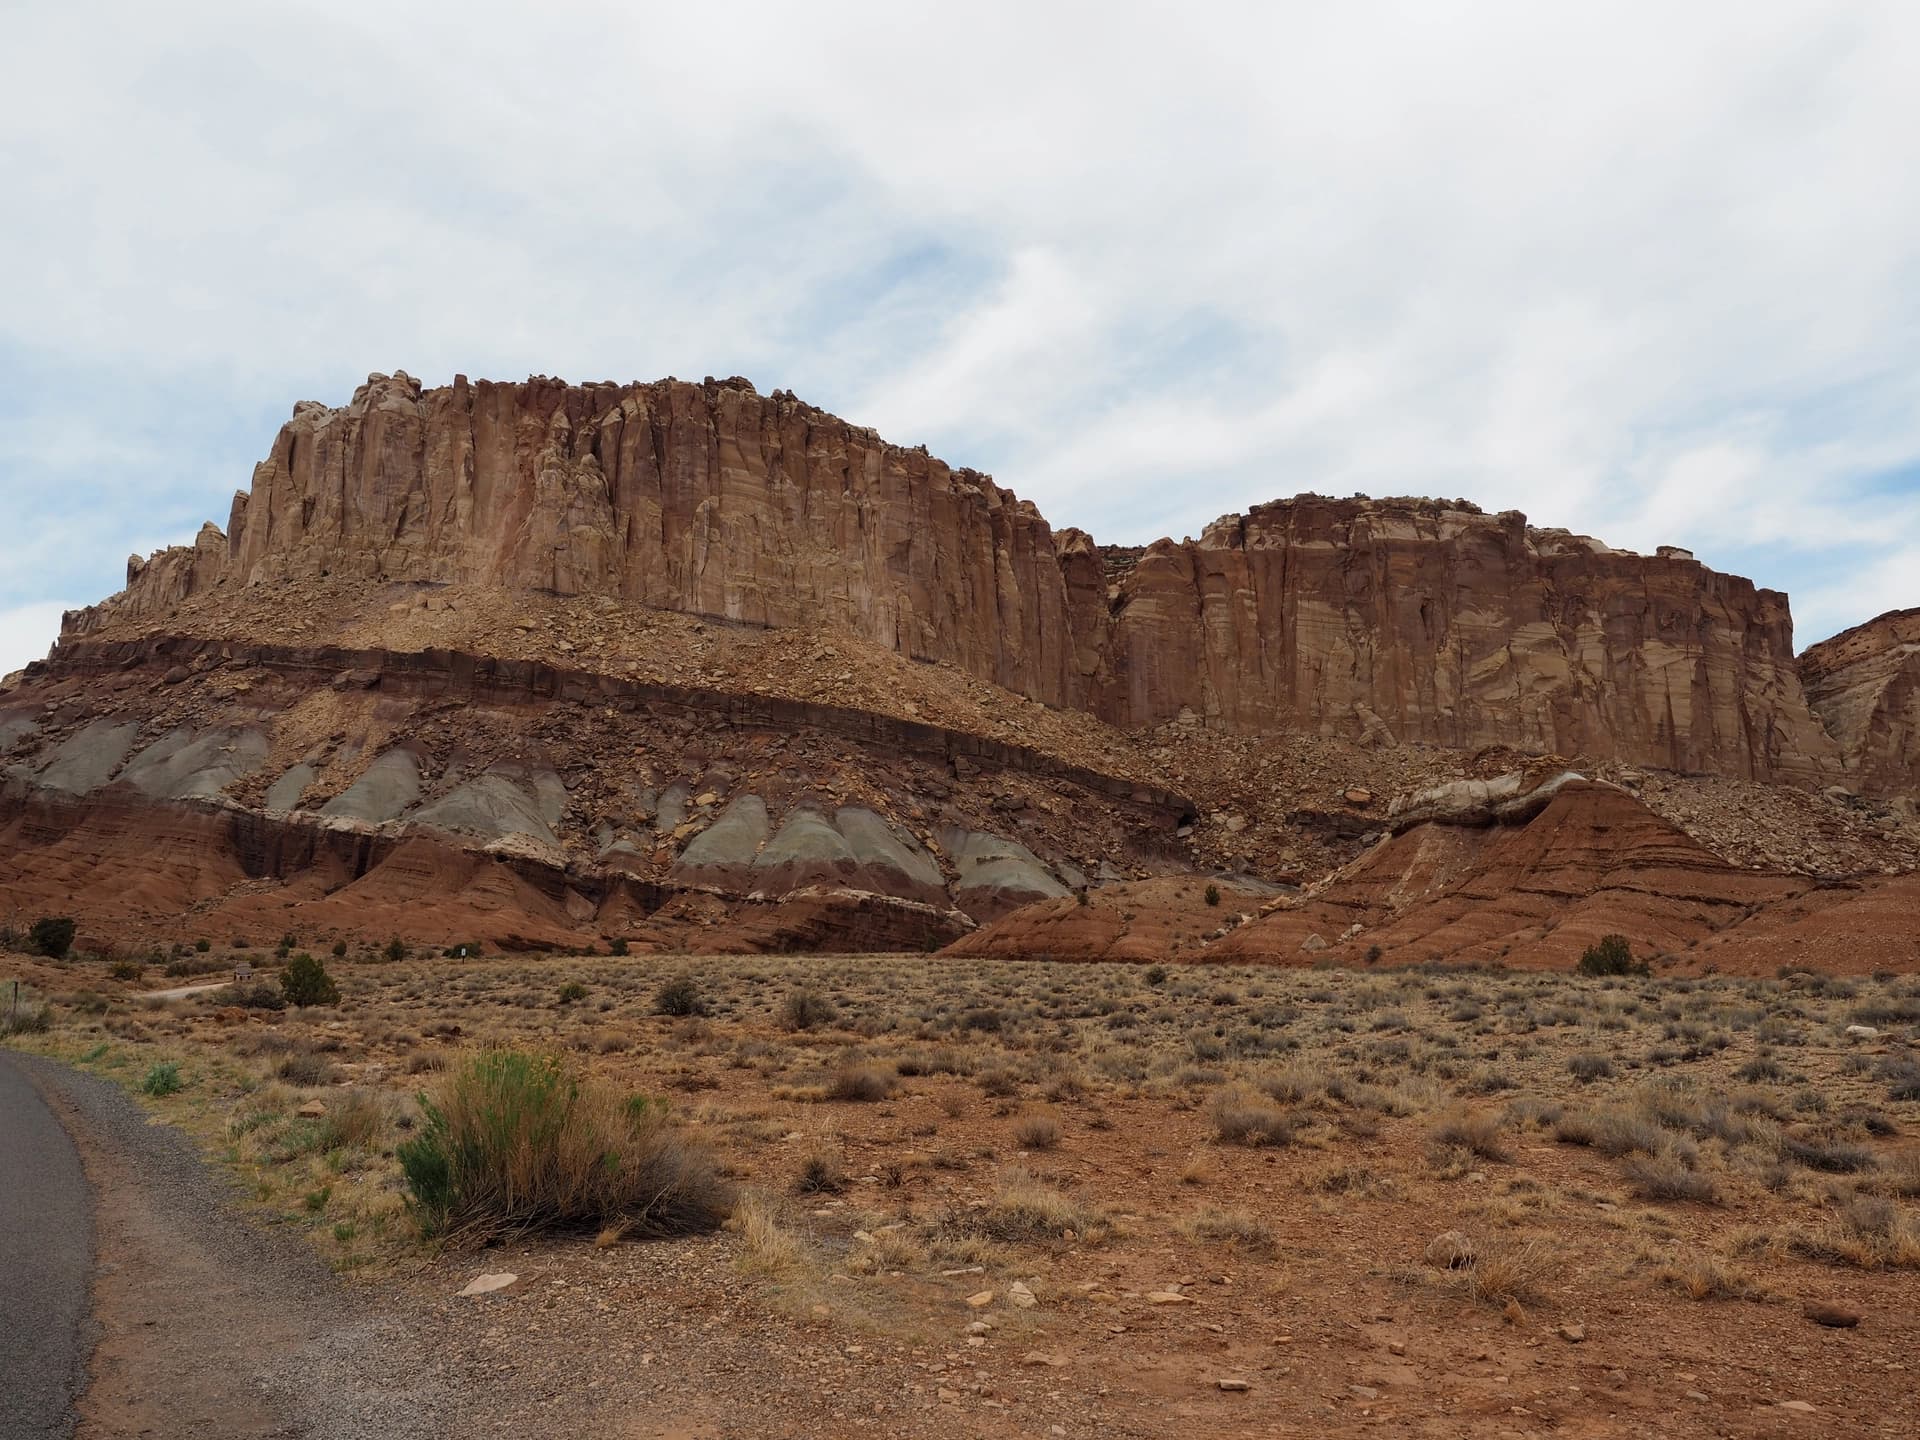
{"x": 1865, "y": 685}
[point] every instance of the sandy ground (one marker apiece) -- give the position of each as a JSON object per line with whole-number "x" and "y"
{"x": 1166, "y": 1254}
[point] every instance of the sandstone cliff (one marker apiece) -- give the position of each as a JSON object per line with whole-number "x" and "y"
{"x": 1865, "y": 685}
{"x": 1405, "y": 620}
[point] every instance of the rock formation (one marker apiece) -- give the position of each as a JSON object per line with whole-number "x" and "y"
{"x": 1406, "y": 620}
{"x": 1865, "y": 685}
{"x": 685, "y": 667}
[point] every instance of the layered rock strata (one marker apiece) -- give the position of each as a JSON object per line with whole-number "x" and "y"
{"x": 1393, "y": 620}
{"x": 454, "y": 797}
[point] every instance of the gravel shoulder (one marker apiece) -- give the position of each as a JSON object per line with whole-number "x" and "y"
{"x": 208, "y": 1325}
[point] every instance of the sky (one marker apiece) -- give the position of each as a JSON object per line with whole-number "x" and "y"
{"x": 1647, "y": 271}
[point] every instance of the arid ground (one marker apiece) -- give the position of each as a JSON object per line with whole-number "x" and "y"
{"x": 1029, "y": 1198}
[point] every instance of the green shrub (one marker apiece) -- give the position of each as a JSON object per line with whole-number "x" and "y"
{"x": 679, "y": 996}
{"x": 339, "y": 949}
{"x": 1212, "y": 893}
{"x": 203, "y": 945}
{"x": 1611, "y": 956}
{"x": 617, "y": 946}
{"x": 515, "y": 1142}
{"x": 52, "y": 936}
{"x": 572, "y": 992}
{"x": 126, "y": 969}
{"x": 162, "y": 1078}
{"x": 396, "y": 949}
{"x": 306, "y": 982}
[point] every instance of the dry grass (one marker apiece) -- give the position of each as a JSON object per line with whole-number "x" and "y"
{"x": 1477, "y": 1132}
{"x": 1242, "y": 1117}
{"x": 1511, "y": 1272}
{"x": 1703, "y": 1277}
{"x": 1669, "y": 1175}
{"x": 1025, "y": 1210}
{"x": 1233, "y": 1228}
{"x": 1036, "y": 1132}
{"x": 767, "y": 1248}
{"x": 515, "y": 1141}
{"x": 1357, "y": 1099}
{"x": 862, "y": 1083}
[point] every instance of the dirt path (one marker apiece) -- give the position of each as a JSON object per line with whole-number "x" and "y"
{"x": 208, "y": 1326}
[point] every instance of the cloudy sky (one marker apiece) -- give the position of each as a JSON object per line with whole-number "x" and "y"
{"x": 1648, "y": 271}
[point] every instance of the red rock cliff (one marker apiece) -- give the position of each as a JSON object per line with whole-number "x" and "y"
{"x": 1405, "y": 618}
{"x": 1865, "y": 685}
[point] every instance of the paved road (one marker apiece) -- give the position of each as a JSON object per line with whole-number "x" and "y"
{"x": 46, "y": 1261}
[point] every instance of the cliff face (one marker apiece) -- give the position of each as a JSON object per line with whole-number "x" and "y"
{"x": 1441, "y": 624}
{"x": 1402, "y": 619}
{"x": 1865, "y": 685}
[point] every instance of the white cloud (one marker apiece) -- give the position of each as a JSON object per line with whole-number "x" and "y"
{"x": 27, "y": 632}
{"x": 1646, "y": 271}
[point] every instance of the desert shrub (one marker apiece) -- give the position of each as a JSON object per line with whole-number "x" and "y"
{"x": 1233, "y": 1228}
{"x": 862, "y": 1082}
{"x": 126, "y": 969}
{"x": 359, "y": 1120}
{"x": 1668, "y": 1176}
{"x": 27, "y": 1020}
{"x": 1475, "y": 1131}
{"x": 396, "y": 949}
{"x": 1611, "y": 955}
{"x": 252, "y": 995}
{"x": 822, "y": 1172}
{"x": 1902, "y": 1074}
{"x": 1832, "y": 1157}
{"x": 52, "y": 936}
{"x": 1212, "y": 893}
{"x": 303, "y": 1067}
{"x": 162, "y": 1078}
{"x": 515, "y": 1142}
{"x": 1241, "y": 1117}
{"x": 1036, "y": 1132}
{"x": 999, "y": 1083}
{"x": 306, "y": 982}
{"x": 679, "y": 996}
{"x": 1501, "y": 1272}
{"x": 187, "y": 965}
{"x": 1611, "y": 1132}
{"x": 203, "y": 945}
{"x": 618, "y": 946}
{"x": 572, "y": 993}
{"x": 1702, "y": 1277}
{"x": 1026, "y": 1210}
{"x": 1589, "y": 1067}
{"x": 1156, "y": 975}
{"x": 804, "y": 1009}
{"x": 1867, "y": 1232}
{"x": 339, "y": 949}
